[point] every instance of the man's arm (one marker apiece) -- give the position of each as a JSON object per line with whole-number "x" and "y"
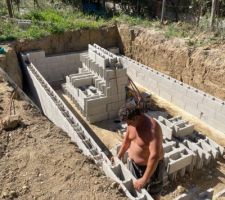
{"x": 154, "y": 157}
{"x": 125, "y": 145}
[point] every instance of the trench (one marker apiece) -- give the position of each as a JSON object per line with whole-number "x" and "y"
{"x": 42, "y": 82}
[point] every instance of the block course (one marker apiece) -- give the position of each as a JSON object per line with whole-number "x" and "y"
{"x": 99, "y": 87}
{"x": 202, "y": 105}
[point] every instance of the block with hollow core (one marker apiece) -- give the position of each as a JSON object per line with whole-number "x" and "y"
{"x": 203, "y": 157}
{"x": 109, "y": 78}
{"x": 130, "y": 187}
{"x": 178, "y": 158}
{"x": 166, "y": 130}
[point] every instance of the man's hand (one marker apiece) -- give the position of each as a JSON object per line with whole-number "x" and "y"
{"x": 139, "y": 184}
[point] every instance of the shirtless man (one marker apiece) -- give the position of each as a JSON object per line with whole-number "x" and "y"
{"x": 143, "y": 141}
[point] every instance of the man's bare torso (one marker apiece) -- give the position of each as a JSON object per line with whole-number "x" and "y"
{"x": 140, "y": 141}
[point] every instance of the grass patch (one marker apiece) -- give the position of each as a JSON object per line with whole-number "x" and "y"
{"x": 48, "y": 21}
{"x": 52, "y": 20}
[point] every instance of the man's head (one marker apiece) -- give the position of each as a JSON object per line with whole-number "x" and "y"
{"x": 130, "y": 113}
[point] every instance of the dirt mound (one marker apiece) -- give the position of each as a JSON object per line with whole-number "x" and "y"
{"x": 202, "y": 67}
{"x": 38, "y": 160}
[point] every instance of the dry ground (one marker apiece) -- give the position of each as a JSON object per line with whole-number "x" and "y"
{"x": 38, "y": 161}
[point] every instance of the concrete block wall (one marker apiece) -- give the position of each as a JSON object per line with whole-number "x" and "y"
{"x": 55, "y": 68}
{"x": 57, "y": 111}
{"x": 102, "y": 71}
{"x": 204, "y": 106}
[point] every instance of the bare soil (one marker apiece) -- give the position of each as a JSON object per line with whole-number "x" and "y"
{"x": 201, "y": 67}
{"x": 38, "y": 160}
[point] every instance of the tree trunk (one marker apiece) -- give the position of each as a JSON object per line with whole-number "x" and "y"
{"x": 213, "y": 12}
{"x": 9, "y": 6}
{"x": 163, "y": 10}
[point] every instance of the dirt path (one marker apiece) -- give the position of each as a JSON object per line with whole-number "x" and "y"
{"x": 38, "y": 161}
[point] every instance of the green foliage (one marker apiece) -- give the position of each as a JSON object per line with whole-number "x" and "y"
{"x": 133, "y": 20}
{"x": 49, "y": 21}
{"x": 178, "y": 30}
{"x": 57, "y": 18}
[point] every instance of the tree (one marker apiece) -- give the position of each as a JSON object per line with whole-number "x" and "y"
{"x": 10, "y": 9}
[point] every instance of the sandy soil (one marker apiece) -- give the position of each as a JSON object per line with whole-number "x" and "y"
{"x": 38, "y": 160}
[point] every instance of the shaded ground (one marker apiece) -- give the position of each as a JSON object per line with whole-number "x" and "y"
{"x": 38, "y": 161}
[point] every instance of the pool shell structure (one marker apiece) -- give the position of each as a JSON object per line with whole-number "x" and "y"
{"x": 184, "y": 149}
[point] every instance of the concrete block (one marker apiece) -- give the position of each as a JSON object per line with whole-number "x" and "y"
{"x": 97, "y": 117}
{"x": 121, "y": 73}
{"x": 165, "y": 94}
{"x": 112, "y": 114}
{"x": 95, "y": 110}
{"x": 119, "y": 172}
{"x": 177, "y": 157}
{"x": 130, "y": 187}
{"x": 166, "y": 130}
{"x": 114, "y": 50}
{"x": 179, "y": 161}
{"x": 203, "y": 157}
{"x": 191, "y": 106}
{"x": 194, "y": 194}
{"x": 110, "y": 74}
{"x": 213, "y": 102}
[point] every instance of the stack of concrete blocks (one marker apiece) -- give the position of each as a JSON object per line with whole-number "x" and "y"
{"x": 204, "y": 106}
{"x": 102, "y": 71}
{"x": 194, "y": 194}
{"x": 178, "y": 158}
{"x": 57, "y": 111}
{"x": 176, "y": 127}
{"x": 206, "y": 149}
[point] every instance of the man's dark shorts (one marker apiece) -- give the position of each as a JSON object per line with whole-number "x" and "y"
{"x": 155, "y": 185}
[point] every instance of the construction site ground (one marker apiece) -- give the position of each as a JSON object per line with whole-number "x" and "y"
{"x": 38, "y": 160}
